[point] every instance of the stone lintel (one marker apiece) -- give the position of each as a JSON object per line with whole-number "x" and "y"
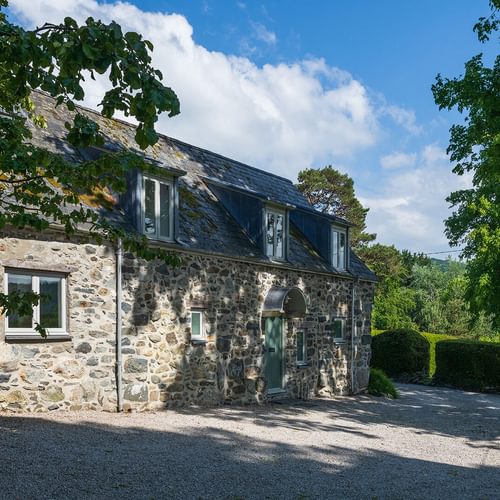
{"x": 38, "y": 266}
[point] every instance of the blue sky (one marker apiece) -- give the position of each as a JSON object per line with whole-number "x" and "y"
{"x": 285, "y": 85}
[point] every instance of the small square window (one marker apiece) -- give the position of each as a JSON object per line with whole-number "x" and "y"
{"x": 50, "y": 313}
{"x": 157, "y": 208}
{"x": 197, "y": 325}
{"x": 339, "y": 330}
{"x": 301, "y": 348}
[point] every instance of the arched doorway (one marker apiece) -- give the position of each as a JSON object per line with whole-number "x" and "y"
{"x": 280, "y": 303}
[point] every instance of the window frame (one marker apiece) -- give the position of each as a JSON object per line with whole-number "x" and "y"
{"x": 171, "y": 209}
{"x": 339, "y": 266}
{"x": 342, "y": 338}
{"x": 303, "y": 361}
{"x": 202, "y": 336}
{"x": 35, "y": 287}
{"x": 276, "y": 211}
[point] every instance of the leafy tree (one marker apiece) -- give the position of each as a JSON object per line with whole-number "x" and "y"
{"x": 37, "y": 187}
{"x": 475, "y": 147}
{"x": 332, "y": 192}
{"x": 394, "y": 303}
{"x": 394, "y": 307}
{"x": 428, "y": 283}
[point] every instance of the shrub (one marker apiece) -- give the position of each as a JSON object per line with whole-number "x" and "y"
{"x": 468, "y": 364}
{"x": 399, "y": 352}
{"x": 381, "y": 385}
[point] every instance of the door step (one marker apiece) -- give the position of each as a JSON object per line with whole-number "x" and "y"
{"x": 276, "y": 395}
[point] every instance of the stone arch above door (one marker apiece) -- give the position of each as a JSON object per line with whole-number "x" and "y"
{"x": 289, "y": 302}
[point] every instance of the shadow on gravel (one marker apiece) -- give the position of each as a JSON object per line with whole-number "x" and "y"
{"x": 46, "y": 459}
{"x": 429, "y": 410}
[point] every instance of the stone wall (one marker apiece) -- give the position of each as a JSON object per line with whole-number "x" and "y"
{"x": 162, "y": 367}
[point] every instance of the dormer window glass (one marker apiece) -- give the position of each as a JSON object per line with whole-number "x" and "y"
{"x": 339, "y": 248}
{"x": 158, "y": 208}
{"x": 275, "y": 227}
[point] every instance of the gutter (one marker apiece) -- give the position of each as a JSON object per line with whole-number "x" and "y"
{"x": 119, "y": 381}
{"x": 354, "y": 348}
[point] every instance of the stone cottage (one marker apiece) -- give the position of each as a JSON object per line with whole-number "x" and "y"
{"x": 268, "y": 301}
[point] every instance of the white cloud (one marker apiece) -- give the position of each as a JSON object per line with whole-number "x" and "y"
{"x": 282, "y": 117}
{"x": 398, "y": 160}
{"x": 410, "y": 208}
{"x": 260, "y": 32}
{"x": 404, "y": 117}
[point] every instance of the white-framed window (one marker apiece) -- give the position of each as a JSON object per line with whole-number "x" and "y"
{"x": 339, "y": 248}
{"x": 301, "y": 347}
{"x": 338, "y": 329}
{"x": 50, "y": 313}
{"x": 197, "y": 325}
{"x": 275, "y": 233}
{"x": 157, "y": 208}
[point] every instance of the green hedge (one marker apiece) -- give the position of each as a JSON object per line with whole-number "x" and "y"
{"x": 433, "y": 339}
{"x": 470, "y": 365}
{"x": 401, "y": 351}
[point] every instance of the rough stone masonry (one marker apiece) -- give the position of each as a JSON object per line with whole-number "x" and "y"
{"x": 162, "y": 366}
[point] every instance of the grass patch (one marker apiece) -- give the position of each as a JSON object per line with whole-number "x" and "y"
{"x": 381, "y": 385}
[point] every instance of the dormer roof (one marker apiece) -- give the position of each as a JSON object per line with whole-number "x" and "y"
{"x": 204, "y": 224}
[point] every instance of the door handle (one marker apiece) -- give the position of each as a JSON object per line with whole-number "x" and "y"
{"x": 271, "y": 349}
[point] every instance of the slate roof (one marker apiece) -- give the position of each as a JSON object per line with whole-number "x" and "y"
{"x": 204, "y": 224}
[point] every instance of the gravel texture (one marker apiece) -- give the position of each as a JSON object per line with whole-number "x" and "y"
{"x": 431, "y": 443}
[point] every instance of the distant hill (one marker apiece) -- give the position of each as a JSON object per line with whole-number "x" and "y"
{"x": 444, "y": 264}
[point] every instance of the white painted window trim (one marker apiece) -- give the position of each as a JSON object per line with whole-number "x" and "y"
{"x": 202, "y": 335}
{"x": 171, "y": 214}
{"x": 339, "y": 340}
{"x": 275, "y": 211}
{"x": 340, "y": 266}
{"x": 304, "y": 349}
{"x": 35, "y": 287}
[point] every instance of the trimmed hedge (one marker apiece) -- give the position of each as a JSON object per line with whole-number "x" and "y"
{"x": 400, "y": 351}
{"x": 468, "y": 364}
{"x": 433, "y": 339}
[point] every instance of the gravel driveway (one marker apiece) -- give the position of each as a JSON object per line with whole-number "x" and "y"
{"x": 432, "y": 443}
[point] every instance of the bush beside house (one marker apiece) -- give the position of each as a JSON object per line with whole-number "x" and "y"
{"x": 381, "y": 385}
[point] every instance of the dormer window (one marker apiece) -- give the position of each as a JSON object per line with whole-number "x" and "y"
{"x": 339, "y": 248}
{"x": 157, "y": 208}
{"x": 275, "y": 233}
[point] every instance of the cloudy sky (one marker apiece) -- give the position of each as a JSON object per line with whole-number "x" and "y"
{"x": 284, "y": 85}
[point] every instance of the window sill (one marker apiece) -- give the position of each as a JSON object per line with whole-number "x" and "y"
{"x": 36, "y": 338}
{"x": 339, "y": 341}
{"x": 160, "y": 239}
{"x": 302, "y": 365}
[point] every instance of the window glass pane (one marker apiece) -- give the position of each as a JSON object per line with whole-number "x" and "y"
{"x": 279, "y": 235}
{"x": 50, "y": 303}
{"x": 341, "y": 261}
{"x": 149, "y": 207}
{"x": 300, "y": 346}
{"x": 195, "y": 324}
{"x": 164, "y": 210}
{"x": 270, "y": 234}
{"x": 19, "y": 283}
{"x": 338, "y": 330}
{"x": 335, "y": 248}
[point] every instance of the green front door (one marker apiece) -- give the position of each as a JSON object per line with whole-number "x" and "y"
{"x": 274, "y": 353}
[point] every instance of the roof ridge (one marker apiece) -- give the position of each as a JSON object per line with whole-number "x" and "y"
{"x": 174, "y": 140}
